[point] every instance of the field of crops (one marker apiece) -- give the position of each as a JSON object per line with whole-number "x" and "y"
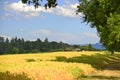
{"x": 60, "y": 66}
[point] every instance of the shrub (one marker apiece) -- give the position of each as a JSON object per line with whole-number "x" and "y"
{"x": 15, "y": 50}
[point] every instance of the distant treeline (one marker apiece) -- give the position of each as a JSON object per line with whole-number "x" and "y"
{"x": 19, "y": 45}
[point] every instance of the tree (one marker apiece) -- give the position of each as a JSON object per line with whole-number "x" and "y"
{"x": 45, "y": 45}
{"x": 7, "y": 40}
{"x": 104, "y": 15}
{"x": 90, "y": 48}
{"x": 36, "y": 3}
{"x": 37, "y": 45}
{"x": 15, "y": 50}
{"x": 1, "y": 39}
{"x": 110, "y": 35}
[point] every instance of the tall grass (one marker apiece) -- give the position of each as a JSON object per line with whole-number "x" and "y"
{"x": 63, "y": 65}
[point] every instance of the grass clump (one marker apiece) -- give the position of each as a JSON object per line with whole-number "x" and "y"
{"x": 10, "y": 76}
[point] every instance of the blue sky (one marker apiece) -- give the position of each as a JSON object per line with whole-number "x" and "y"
{"x": 57, "y": 24}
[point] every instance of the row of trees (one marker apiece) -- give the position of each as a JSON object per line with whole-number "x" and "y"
{"x": 17, "y": 45}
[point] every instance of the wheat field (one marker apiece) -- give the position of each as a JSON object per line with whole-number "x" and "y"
{"x": 61, "y": 66}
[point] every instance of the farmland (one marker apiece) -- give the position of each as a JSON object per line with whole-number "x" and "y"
{"x": 61, "y": 66}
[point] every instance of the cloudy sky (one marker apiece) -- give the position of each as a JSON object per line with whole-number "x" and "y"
{"x": 57, "y": 24}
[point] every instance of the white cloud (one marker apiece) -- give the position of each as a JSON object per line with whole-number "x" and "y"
{"x": 68, "y": 10}
{"x": 43, "y": 32}
{"x": 30, "y": 11}
{"x": 21, "y": 30}
{"x": 67, "y": 1}
{"x": 89, "y": 37}
{"x": 19, "y": 8}
{"x": 7, "y": 15}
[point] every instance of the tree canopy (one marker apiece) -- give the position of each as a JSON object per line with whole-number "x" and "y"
{"x": 36, "y": 3}
{"x": 104, "y": 15}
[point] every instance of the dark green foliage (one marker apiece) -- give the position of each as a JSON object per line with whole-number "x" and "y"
{"x": 37, "y": 3}
{"x": 15, "y": 50}
{"x": 90, "y": 48}
{"x": 51, "y": 3}
{"x": 110, "y": 35}
{"x": 34, "y": 51}
{"x": 104, "y": 15}
{"x": 17, "y": 45}
{"x": 2, "y": 48}
{"x": 9, "y": 76}
{"x": 1, "y": 39}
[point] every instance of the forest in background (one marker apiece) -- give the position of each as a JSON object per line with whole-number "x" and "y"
{"x": 19, "y": 45}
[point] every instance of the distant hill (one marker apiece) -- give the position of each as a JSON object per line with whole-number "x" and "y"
{"x": 98, "y": 46}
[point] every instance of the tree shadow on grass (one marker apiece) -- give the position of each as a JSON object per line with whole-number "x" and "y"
{"x": 98, "y": 61}
{"x": 30, "y": 60}
{"x": 9, "y": 76}
{"x": 98, "y": 77}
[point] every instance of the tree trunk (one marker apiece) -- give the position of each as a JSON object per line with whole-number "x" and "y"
{"x": 112, "y": 52}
